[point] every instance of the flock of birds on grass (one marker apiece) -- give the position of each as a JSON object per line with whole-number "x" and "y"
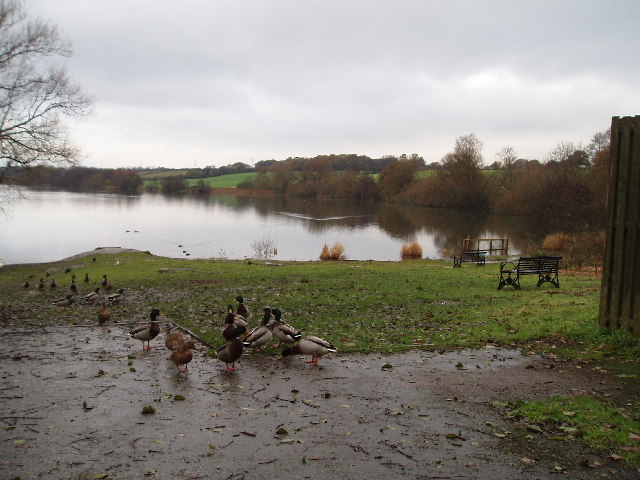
{"x": 235, "y": 331}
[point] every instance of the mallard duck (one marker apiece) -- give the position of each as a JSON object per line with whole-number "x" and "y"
{"x": 235, "y": 318}
{"x": 182, "y": 355}
{"x": 231, "y": 351}
{"x": 147, "y": 332}
{"x": 242, "y": 309}
{"x": 260, "y": 335}
{"x": 64, "y": 302}
{"x": 73, "y": 287}
{"x": 284, "y": 332}
{"x": 310, "y": 345}
{"x": 116, "y": 297}
{"x": 53, "y": 284}
{"x": 106, "y": 284}
{"x": 41, "y": 284}
{"x": 93, "y": 296}
{"x": 104, "y": 315}
{"x": 86, "y": 278}
{"x": 234, "y": 332}
{"x": 173, "y": 340}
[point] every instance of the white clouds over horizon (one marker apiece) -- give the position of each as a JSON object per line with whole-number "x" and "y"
{"x": 217, "y": 82}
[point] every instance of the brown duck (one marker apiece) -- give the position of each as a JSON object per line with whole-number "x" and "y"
{"x": 182, "y": 355}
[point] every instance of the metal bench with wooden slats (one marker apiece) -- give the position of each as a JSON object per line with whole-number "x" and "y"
{"x": 546, "y": 267}
{"x": 474, "y": 256}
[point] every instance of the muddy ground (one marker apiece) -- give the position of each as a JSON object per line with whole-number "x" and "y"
{"x": 72, "y": 397}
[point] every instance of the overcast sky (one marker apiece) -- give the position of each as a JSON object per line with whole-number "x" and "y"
{"x": 212, "y": 82}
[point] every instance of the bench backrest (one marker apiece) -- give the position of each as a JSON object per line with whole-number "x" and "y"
{"x": 540, "y": 264}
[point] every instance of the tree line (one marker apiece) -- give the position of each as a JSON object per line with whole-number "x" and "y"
{"x": 567, "y": 189}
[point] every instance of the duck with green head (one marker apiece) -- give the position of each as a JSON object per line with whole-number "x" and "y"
{"x": 310, "y": 345}
{"x": 260, "y": 335}
{"x": 93, "y": 296}
{"x": 284, "y": 332}
{"x": 64, "y": 302}
{"x": 234, "y": 318}
{"x": 116, "y": 297}
{"x": 148, "y": 332}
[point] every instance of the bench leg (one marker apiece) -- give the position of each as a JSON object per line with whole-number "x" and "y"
{"x": 542, "y": 278}
{"x": 509, "y": 280}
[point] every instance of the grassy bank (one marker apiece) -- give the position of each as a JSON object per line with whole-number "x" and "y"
{"x": 360, "y": 306}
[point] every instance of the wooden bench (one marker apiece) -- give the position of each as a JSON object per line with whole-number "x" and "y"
{"x": 475, "y": 256}
{"x": 545, "y": 267}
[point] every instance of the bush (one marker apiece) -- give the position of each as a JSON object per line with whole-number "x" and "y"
{"x": 412, "y": 250}
{"x": 334, "y": 253}
{"x": 578, "y": 249}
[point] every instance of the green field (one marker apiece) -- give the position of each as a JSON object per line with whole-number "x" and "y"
{"x": 223, "y": 181}
{"x": 364, "y": 306}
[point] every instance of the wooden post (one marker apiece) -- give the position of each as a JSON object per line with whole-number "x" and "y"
{"x": 620, "y": 291}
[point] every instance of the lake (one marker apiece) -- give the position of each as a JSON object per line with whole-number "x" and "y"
{"x": 45, "y": 226}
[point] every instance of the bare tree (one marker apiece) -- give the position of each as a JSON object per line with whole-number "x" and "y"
{"x": 266, "y": 247}
{"x": 507, "y": 157}
{"x": 35, "y": 93}
{"x": 599, "y": 142}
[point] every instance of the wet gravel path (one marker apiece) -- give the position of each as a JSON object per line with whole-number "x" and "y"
{"x": 72, "y": 397}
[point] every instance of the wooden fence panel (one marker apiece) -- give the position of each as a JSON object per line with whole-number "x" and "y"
{"x": 620, "y": 293}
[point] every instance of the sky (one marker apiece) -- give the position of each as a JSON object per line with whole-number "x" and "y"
{"x": 215, "y": 82}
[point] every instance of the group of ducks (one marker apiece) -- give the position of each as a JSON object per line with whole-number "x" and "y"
{"x": 234, "y": 331}
{"x": 93, "y": 297}
{"x": 271, "y": 325}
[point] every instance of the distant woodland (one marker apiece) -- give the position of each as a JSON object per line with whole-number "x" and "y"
{"x": 567, "y": 188}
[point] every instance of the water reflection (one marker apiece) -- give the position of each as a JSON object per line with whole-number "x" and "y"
{"x": 52, "y": 225}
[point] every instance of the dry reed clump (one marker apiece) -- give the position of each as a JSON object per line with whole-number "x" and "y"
{"x": 334, "y": 253}
{"x": 558, "y": 242}
{"x": 579, "y": 249}
{"x": 412, "y": 250}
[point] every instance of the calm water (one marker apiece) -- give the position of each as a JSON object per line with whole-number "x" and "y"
{"x": 47, "y": 226}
